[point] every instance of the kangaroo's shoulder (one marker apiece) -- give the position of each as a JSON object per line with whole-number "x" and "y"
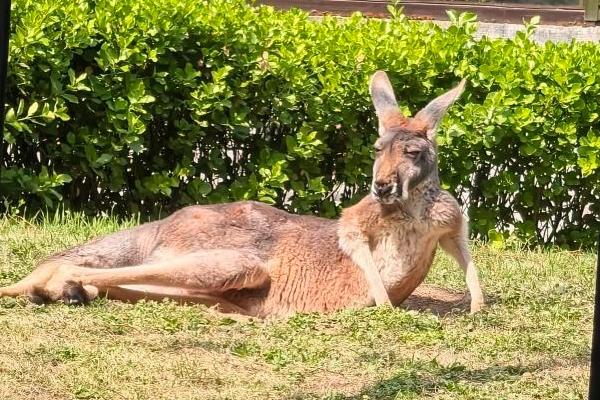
{"x": 369, "y": 218}
{"x": 443, "y": 209}
{"x": 365, "y": 214}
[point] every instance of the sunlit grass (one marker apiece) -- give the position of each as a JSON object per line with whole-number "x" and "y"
{"x": 531, "y": 342}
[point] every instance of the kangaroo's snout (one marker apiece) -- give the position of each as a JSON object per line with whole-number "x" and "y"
{"x": 382, "y": 189}
{"x": 388, "y": 192}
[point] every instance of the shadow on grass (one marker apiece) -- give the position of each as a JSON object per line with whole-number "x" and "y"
{"x": 423, "y": 378}
{"x": 440, "y": 301}
{"x": 413, "y": 379}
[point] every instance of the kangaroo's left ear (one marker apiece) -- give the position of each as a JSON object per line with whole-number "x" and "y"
{"x": 432, "y": 114}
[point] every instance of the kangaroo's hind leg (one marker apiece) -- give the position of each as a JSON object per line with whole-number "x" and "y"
{"x": 111, "y": 251}
{"x": 205, "y": 273}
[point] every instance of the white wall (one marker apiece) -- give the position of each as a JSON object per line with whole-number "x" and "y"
{"x": 542, "y": 34}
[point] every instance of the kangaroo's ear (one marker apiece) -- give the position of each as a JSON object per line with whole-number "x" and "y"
{"x": 432, "y": 114}
{"x": 384, "y": 101}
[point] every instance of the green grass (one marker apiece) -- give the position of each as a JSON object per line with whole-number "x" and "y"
{"x": 531, "y": 342}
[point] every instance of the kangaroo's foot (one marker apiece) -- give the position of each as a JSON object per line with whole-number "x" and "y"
{"x": 49, "y": 283}
{"x": 65, "y": 285}
{"x": 477, "y": 303}
{"x": 72, "y": 293}
{"x": 75, "y": 294}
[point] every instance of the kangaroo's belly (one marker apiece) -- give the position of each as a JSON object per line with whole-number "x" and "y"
{"x": 404, "y": 257}
{"x": 308, "y": 273}
{"x": 315, "y": 285}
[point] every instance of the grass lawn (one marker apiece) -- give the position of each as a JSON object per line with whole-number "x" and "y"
{"x": 531, "y": 342}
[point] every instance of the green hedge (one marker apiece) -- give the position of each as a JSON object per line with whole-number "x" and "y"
{"x": 130, "y": 106}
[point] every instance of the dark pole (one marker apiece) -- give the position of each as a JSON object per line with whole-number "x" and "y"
{"x": 595, "y": 364}
{"x": 4, "y": 33}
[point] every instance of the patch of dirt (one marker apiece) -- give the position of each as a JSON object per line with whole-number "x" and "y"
{"x": 328, "y": 382}
{"x": 438, "y": 300}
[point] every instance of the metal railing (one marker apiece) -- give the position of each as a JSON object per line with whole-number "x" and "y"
{"x": 586, "y": 13}
{"x": 592, "y": 10}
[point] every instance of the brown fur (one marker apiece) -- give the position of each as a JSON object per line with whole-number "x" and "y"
{"x": 251, "y": 258}
{"x": 395, "y": 121}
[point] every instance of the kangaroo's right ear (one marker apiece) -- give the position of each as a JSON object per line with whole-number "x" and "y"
{"x": 432, "y": 114}
{"x": 384, "y": 101}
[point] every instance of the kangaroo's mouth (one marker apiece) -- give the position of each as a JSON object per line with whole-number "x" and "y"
{"x": 390, "y": 199}
{"x": 397, "y": 194}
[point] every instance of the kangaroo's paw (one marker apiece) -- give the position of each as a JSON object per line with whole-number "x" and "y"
{"x": 75, "y": 294}
{"x": 38, "y": 296}
{"x": 476, "y": 305}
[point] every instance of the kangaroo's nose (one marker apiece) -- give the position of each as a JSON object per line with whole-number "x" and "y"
{"x": 382, "y": 188}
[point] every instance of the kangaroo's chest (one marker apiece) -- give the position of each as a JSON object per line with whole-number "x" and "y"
{"x": 403, "y": 248}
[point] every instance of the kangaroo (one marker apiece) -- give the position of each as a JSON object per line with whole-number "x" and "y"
{"x": 253, "y": 259}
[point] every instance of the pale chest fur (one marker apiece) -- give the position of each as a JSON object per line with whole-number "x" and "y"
{"x": 402, "y": 250}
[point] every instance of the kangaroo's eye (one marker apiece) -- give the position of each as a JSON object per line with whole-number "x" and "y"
{"x": 412, "y": 153}
{"x": 377, "y": 149}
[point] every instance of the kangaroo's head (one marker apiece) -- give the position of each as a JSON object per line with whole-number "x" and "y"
{"x": 406, "y": 149}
